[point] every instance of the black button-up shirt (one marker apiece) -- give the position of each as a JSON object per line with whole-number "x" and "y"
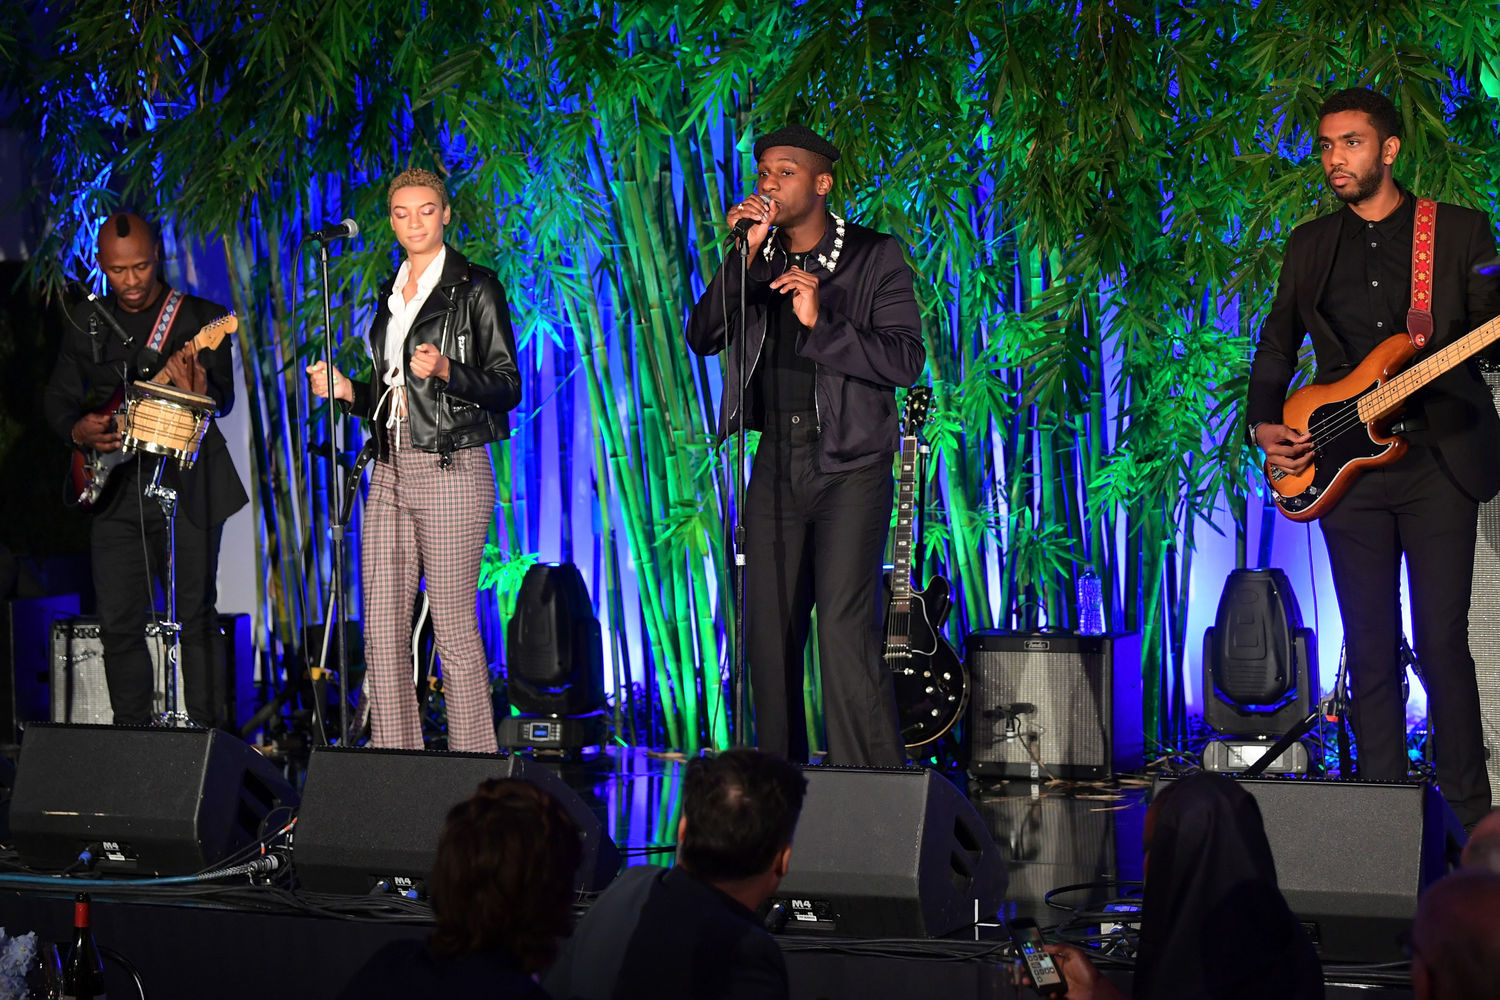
{"x": 1369, "y": 287}
{"x": 784, "y": 383}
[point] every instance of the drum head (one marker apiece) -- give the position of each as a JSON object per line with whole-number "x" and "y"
{"x": 172, "y": 394}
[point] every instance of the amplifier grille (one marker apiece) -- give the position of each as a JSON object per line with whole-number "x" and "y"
{"x": 80, "y": 692}
{"x": 1053, "y": 705}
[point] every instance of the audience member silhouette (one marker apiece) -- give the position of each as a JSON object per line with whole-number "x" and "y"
{"x": 1483, "y": 848}
{"x": 690, "y": 932}
{"x": 1214, "y": 925}
{"x": 502, "y": 888}
{"x": 1455, "y": 946}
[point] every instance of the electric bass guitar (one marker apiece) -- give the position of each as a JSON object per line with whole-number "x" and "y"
{"x": 91, "y": 469}
{"x": 932, "y": 687}
{"x": 1350, "y": 420}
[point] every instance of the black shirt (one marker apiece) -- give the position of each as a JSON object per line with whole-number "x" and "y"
{"x": 90, "y": 368}
{"x": 784, "y": 380}
{"x": 1369, "y": 287}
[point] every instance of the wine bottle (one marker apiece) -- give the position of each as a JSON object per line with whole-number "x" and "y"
{"x": 83, "y": 973}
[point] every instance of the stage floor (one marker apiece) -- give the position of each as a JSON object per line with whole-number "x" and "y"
{"x": 1053, "y": 837}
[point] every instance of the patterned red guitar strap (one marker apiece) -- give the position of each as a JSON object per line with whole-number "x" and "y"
{"x": 1423, "y": 237}
{"x": 167, "y": 317}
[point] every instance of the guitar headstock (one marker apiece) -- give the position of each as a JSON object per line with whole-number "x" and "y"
{"x": 210, "y": 336}
{"x": 918, "y": 400}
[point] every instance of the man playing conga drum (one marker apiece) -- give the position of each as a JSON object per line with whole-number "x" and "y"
{"x": 128, "y": 535}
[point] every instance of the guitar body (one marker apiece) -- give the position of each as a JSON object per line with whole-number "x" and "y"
{"x": 932, "y": 687}
{"x": 89, "y": 474}
{"x": 1344, "y": 444}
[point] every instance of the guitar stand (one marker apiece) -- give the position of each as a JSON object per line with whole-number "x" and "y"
{"x": 166, "y": 498}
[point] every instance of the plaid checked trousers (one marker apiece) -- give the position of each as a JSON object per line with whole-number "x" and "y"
{"x": 422, "y": 520}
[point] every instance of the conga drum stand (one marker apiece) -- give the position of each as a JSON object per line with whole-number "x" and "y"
{"x": 169, "y": 423}
{"x": 170, "y": 629}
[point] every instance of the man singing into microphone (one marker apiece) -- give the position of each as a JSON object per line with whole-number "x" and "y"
{"x": 832, "y": 329}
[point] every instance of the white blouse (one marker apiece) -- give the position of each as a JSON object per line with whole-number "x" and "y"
{"x": 403, "y": 313}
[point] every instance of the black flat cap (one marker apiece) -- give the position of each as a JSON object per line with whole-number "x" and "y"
{"x": 799, "y": 136}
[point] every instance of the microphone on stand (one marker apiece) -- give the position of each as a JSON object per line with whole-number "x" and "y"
{"x": 346, "y": 230}
{"x": 98, "y": 304}
{"x": 742, "y": 229}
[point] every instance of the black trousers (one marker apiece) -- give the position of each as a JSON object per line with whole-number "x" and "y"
{"x": 813, "y": 538}
{"x": 1411, "y": 507}
{"x": 129, "y": 542}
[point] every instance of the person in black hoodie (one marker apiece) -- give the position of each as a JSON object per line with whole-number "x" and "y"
{"x": 444, "y": 378}
{"x": 1214, "y": 925}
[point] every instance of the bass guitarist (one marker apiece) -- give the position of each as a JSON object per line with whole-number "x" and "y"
{"x": 1347, "y": 281}
{"x": 128, "y": 533}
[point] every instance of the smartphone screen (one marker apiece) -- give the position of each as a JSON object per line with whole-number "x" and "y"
{"x": 1043, "y": 970}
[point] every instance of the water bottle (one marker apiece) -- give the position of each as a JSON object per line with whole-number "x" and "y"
{"x": 1090, "y": 603}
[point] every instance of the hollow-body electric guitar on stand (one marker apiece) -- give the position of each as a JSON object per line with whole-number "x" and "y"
{"x": 90, "y": 471}
{"x": 932, "y": 687}
{"x": 1350, "y": 420}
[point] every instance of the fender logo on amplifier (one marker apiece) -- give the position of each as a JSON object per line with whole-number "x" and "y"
{"x": 1038, "y": 645}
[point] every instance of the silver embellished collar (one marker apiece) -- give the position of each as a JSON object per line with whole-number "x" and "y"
{"x": 829, "y": 261}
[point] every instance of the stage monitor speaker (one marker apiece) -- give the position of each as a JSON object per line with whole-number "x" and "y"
{"x": 1484, "y": 618}
{"x": 895, "y": 852}
{"x": 1352, "y": 857}
{"x": 1053, "y": 704}
{"x": 371, "y": 817}
{"x": 146, "y": 801}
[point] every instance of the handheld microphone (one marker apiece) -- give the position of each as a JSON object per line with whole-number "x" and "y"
{"x": 346, "y": 230}
{"x": 742, "y": 228}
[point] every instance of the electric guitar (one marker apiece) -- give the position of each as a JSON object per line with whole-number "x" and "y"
{"x": 932, "y": 687}
{"x": 90, "y": 470}
{"x": 1350, "y": 420}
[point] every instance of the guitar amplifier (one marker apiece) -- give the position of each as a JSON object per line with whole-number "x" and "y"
{"x": 1053, "y": 705}
{"x": 1484, "y": 618}
{"x": 80, "y": 692}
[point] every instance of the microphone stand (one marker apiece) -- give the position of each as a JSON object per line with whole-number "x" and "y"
{"x": 738, "y": 668}
{"x": 336, "y": 522}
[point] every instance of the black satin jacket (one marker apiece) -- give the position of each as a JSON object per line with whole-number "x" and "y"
{"x": 866, "y": 343}
{"x": 466, "y": 318}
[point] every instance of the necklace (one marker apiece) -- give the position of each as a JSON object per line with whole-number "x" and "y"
{"x": 830, "y": 261}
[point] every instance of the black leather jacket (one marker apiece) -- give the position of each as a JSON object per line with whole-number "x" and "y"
{"x": 867, "y": 341}
{"x": 466, "y": 318}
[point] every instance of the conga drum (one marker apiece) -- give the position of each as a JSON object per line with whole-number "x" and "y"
{"x": 164, "y": 420}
